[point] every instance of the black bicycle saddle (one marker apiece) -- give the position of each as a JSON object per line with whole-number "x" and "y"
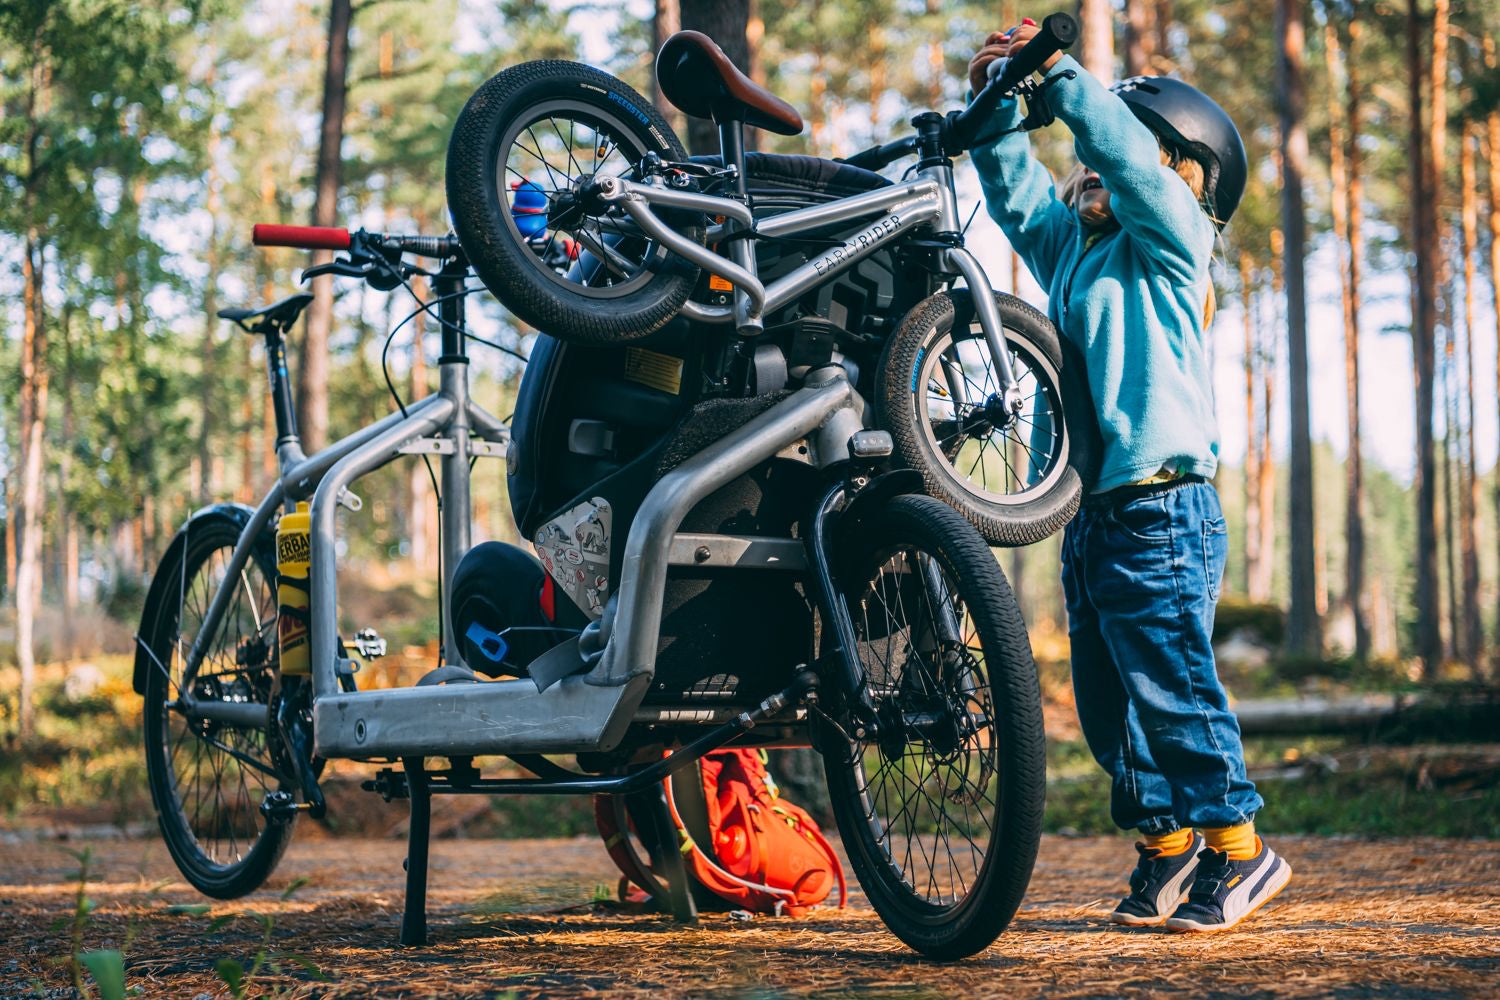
{"x": 699, "y": 79}
{"x": 282, "y": 314}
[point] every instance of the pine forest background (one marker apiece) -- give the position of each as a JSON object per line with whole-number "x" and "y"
{"x": 139, "y": 141}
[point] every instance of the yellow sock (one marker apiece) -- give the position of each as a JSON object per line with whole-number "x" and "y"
{"x": 1168, "y": 844}
{"x": 1239, "y": 842}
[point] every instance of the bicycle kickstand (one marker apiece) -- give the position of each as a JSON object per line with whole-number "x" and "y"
{"x": 418, "y": 838}
{"x": 662, "y": 843}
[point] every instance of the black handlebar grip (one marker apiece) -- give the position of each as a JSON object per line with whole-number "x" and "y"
{"x": 1058, "y": 32}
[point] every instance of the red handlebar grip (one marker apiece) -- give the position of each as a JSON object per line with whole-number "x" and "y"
{"x": 267, "y": 234}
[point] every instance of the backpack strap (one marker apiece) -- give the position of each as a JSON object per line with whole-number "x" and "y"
{"x": 608, "y": 812}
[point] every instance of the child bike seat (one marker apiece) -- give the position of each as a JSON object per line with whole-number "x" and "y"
{"x": 697, "y": 77}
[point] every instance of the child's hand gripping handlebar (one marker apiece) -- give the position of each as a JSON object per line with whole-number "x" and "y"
{"x": 1058, "y": 32}
{"x": 960, "y": 129}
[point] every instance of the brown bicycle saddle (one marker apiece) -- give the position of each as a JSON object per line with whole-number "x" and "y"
{"x": 697, "y": 77}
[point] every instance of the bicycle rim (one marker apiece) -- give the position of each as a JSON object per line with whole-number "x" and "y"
{"x": 1004, "y": 459}
{"x": 543, "y": 157}
{"x": 929, "y": 782}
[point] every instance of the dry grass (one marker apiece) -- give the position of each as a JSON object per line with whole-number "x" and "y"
{"x": 1398, "y": 918}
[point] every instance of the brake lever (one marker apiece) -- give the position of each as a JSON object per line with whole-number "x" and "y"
{"x": 380, "y": 271}
{"x": 342, "y": 266}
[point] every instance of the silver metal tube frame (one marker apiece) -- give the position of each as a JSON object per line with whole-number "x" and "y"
{"x": 648, "y": 550}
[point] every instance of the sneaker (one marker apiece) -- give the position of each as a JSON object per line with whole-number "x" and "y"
{"x": 1157, "y": 885}
{"x": 1226, "y": 892}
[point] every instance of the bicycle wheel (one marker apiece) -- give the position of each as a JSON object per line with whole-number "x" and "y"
{"x": 209, "y": 778}
{"x": 521, "y": 152}
{"x": 940, "y": 806}
{"x": 1018, "y": 477}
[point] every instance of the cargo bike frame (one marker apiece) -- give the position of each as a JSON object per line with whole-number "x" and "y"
{"x": 586, "y": 694}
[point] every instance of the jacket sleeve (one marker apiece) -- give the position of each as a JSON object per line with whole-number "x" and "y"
{"x": 1150, "y": 201}
{"x": 1020, "y": 197}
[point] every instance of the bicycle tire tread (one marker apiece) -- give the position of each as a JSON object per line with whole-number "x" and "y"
{"x": 1011, "y": 525}
{"x": 500, "y": 261}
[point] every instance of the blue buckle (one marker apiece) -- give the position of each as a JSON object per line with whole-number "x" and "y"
{"x": 490, "y": 644}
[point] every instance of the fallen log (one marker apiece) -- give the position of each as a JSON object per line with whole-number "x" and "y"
{"x": 1463, "y": 715}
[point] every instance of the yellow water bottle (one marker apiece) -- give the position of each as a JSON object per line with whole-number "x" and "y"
{"x": 293, "y": 560}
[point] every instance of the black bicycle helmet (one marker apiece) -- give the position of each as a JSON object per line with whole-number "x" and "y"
{"x": 1190, "y": 123}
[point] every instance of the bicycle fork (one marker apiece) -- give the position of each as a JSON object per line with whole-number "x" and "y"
{"x": 990, "y": 322}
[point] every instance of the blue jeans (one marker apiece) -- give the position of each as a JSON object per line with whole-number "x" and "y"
{"x": 1141, "y": 572}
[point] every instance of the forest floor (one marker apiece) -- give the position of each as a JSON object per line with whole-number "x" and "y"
{"x": 518, "y": 918}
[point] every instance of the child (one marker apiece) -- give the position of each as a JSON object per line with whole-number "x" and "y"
{"x": 1123, "y": 253}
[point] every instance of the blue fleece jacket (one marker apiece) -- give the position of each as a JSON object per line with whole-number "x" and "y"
{"x": 1132, "y": 300}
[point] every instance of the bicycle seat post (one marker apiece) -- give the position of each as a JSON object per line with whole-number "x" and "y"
{"x": 742, "y": 252}
{"x": 288, "y": 440}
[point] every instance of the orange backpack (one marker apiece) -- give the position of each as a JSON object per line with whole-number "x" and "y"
{"x": 764, "y": 854}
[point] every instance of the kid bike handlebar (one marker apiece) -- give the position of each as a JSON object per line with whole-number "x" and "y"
{"x": 1058, "y": 32}
{"x": 960, "y": 128}
{"x": 270, "y": 234}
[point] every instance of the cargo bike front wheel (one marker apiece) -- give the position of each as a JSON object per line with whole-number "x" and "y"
{"x": 938, "y": 782}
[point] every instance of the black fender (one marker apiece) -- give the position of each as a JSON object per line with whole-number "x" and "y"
{"x": 888, "y": 484}
{"x": 835, "y": 514}
{"x": 238, "y": 515}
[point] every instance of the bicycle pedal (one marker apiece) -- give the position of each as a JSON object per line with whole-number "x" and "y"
{"x": 282, "y": 806}
{"x": 369, "y": 643}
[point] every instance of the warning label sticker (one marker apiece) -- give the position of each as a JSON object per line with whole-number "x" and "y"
{"x": 662, "y": 372}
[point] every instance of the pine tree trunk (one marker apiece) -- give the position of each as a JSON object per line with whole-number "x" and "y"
{"x": 1140, "y": 36}
{"x": 1469, "y": 483}
{"x": 33, "y": 401}
{"x": 726, "y": 22}
{"x": 313, "y": 369}
{"x": 1344, "y": 211}
{"x": 1303, "y": 625}
{"x": 755, "y": 37}
{"x": 665, "y": 22}
{"x": 1252, "y": 453}
{"x": 1097, "y": 38}
{"x": 268, "y": 464}
{"x": 1449, "y": 513}
{"x": 65, "y": 517}
{"x": 1354, "y": 201}
{"x": 1492, "y": 162}
{"x": 1424, "y": 293}
{"x": 1267, "y": 495}
{"x": 935, "y": 67}
{"x": 876, "y": 56}
{"x": 29, "y": 509}
{"x": 208, "y": 376}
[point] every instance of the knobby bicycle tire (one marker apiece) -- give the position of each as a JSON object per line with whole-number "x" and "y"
{"x": 1033, "y": 513}
{"x": 959, "y": 719}
{"x": 479, "y": 175}
{"x": 175, "y": 757}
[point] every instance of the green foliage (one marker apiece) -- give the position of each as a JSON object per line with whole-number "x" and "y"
{"x": 108, "y": 970}
{"x": 1389, "y": 797}
{"x": 240, "y": 978}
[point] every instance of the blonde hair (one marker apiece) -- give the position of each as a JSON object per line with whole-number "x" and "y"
{"x": 1190, "y": 170}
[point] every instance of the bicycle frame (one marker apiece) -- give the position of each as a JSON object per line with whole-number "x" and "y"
{"x": 584, "y": 711}
{"x": 925, "y": 203}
